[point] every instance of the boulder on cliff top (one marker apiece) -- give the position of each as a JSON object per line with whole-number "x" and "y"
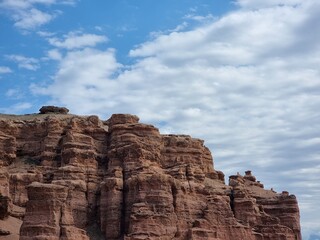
{"x": 53, "y": 109}
{"x": 122, "y": 119}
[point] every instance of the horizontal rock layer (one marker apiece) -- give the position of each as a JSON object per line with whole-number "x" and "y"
{"x": 84, "y": 178}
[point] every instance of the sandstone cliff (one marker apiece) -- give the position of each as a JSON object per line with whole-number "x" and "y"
{"x": 68, "y": 177}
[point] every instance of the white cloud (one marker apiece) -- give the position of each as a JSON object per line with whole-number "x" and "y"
{"x": 26, "y": 13}
{"x": 54, "y": 54}
{"x": 25, "y": 62}
{"x": 16, "y": 108}
{"x": 13, "y": 93}
{"x": 248, "y": 83}
{"x": 45, "y": 34}
{"x": 270, "y": 3}
{"x": 15, "y": 4}
{"x": 98, "y": 28}
{"x": 75, "y": 40}
{"x": 4, "y": 69}
{"x": 310, "y": 142}
{"x": 199, "y": 18}
{"x": 32, "y": 18}
{"x": 47, "y": 2}
{"x": 180, "y": 27}
{"x": 81, "y": 65}
{"x": 19, "y": 107}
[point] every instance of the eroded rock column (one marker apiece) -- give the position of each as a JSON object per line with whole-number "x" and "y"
{"x": 44, "y": 212}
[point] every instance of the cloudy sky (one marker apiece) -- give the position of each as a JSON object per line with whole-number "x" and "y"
{"x": 243, "y": 75}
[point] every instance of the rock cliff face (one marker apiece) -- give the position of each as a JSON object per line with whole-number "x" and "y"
{"x": 67, "y": 177}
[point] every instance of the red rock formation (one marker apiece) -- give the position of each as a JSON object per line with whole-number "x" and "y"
{"x": 53, "y": 109}
{"x": 83, "y": 178}
{"x": 270, "y": 214}
{"x": 49, "y": 214}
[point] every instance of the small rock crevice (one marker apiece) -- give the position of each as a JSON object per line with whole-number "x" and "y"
{"x": 4, "y": 206}
{"x": 232, "y": 201}
{"x": 123, "y": 227}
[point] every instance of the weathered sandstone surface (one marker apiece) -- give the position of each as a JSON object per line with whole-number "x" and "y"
{"x": 68, "y": 177}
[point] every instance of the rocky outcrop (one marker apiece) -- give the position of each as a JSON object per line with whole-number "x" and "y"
{"x": 84, "y": 178}
{"x": 7, "y": 148}
{"x": 50, "y": 214}
{"x": 272, "y": 215}
{"x": 53, "y": 109}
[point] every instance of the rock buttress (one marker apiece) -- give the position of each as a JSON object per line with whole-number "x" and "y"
{"x": 270, "y": 214}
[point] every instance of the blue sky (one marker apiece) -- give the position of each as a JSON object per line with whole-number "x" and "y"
{"x": 243, "y": 75}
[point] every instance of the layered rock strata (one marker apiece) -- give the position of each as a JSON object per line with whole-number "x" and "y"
{"x": 84, "y": 178}
{"x": 270, "y": 214}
